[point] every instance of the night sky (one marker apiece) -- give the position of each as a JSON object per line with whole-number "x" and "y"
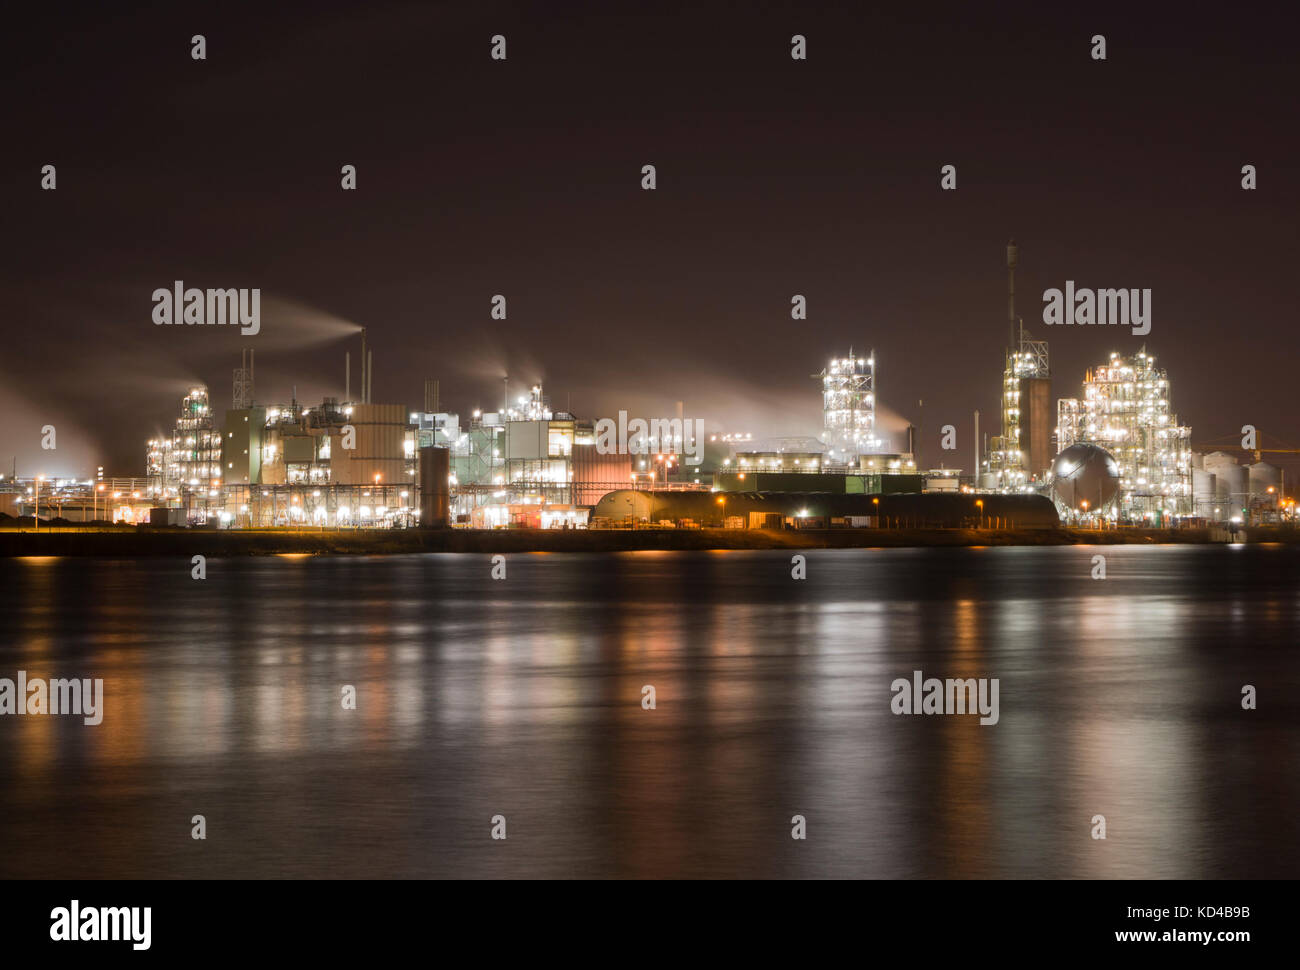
{"x": 522, "y": 177}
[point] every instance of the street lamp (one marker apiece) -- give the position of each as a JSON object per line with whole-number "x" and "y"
{"x": 36, "y": 513}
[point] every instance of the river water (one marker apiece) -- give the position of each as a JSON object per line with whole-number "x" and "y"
{"x": 522, "y": 697}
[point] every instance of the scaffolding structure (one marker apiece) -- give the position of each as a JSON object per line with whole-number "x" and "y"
{"x": 1126, "y": 410}
{"x": 849, "y": 407}
{"x": 1008, "y": 459}
{"x": 188, "y": 461}
{"x": 243, "y": 382}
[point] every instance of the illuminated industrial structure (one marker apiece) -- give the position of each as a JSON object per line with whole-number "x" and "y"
{"x": 1125, "y": 409}
{"x": 187, "y": 461}
{"x": 1020, "y": 456}
{"x": 523, "y": 465}
{"x": 354, "y": 463}
{"x": 849, "y": 407}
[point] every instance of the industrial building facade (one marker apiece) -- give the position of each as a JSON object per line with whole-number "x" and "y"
{"x": 357, "y": 463}
{"x": 1126, "y": 409}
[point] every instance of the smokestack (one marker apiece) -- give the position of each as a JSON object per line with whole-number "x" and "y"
{"x": 363, "y": 365}
{"x": 977, "y": 449}
{"x": 347, "y": 376}
{"x": 370, "y": 374}
{"x": 252, "y": 394}
{"x": 1013, "y": 257}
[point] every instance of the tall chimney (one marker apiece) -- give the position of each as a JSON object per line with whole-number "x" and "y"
{"x": 1012, "y": 258}
{"x": 363, "y": 365}
{"x": 370, "y": 374}
{"x": 347, "y": 377}
{"x": 976, "y": 479}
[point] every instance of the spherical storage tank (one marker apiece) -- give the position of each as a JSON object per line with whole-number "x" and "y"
{"x": 1085, "y": 473}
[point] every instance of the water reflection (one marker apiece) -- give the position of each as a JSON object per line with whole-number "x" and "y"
{"x": 524, "y": 697}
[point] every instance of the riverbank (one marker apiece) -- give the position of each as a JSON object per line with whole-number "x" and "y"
{"x": 131, "y": 542}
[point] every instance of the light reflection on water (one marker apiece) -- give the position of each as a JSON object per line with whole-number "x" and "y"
{"x": 522, "y": 697}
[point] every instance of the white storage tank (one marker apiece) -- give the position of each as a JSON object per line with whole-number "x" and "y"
{"x": 1231, "y": 480}
{"x": 1203, "y": 494}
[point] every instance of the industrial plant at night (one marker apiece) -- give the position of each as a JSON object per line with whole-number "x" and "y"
{"x": 1116, "y": 455}
{"x": 558, "y": 445}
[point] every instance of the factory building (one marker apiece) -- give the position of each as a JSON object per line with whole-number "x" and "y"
{"x": 1126, "y": 410}
{"x": 343, "y": 444}
{"x": 242, "y": 438}
{"x": 525, "y": 465}
{"x": 330, "y": 464}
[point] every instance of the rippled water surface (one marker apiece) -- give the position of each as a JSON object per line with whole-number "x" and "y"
{"x": 522, "y": 697}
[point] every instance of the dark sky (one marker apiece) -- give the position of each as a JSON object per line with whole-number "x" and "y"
{"x": 522, "y": 177}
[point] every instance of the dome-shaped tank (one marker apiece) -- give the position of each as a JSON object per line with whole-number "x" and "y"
{"x": 1085, "y": 473}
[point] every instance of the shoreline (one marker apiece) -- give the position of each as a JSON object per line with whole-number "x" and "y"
{"x": 132, "y": 542}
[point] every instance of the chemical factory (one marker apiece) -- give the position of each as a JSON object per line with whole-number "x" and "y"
{"x": 1114, "y": 455}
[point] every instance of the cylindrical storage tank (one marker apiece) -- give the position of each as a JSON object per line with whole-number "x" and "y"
{"x": 1230, "y": 477}
{"x": 1237, "y": 491}
{"x": 435, "y": 487}
{"x": 1232, "y": 488}
{"x": 1203, "y": 496}
{"x": 1264, "y": 476}
{"x": 1203, "y": 484}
